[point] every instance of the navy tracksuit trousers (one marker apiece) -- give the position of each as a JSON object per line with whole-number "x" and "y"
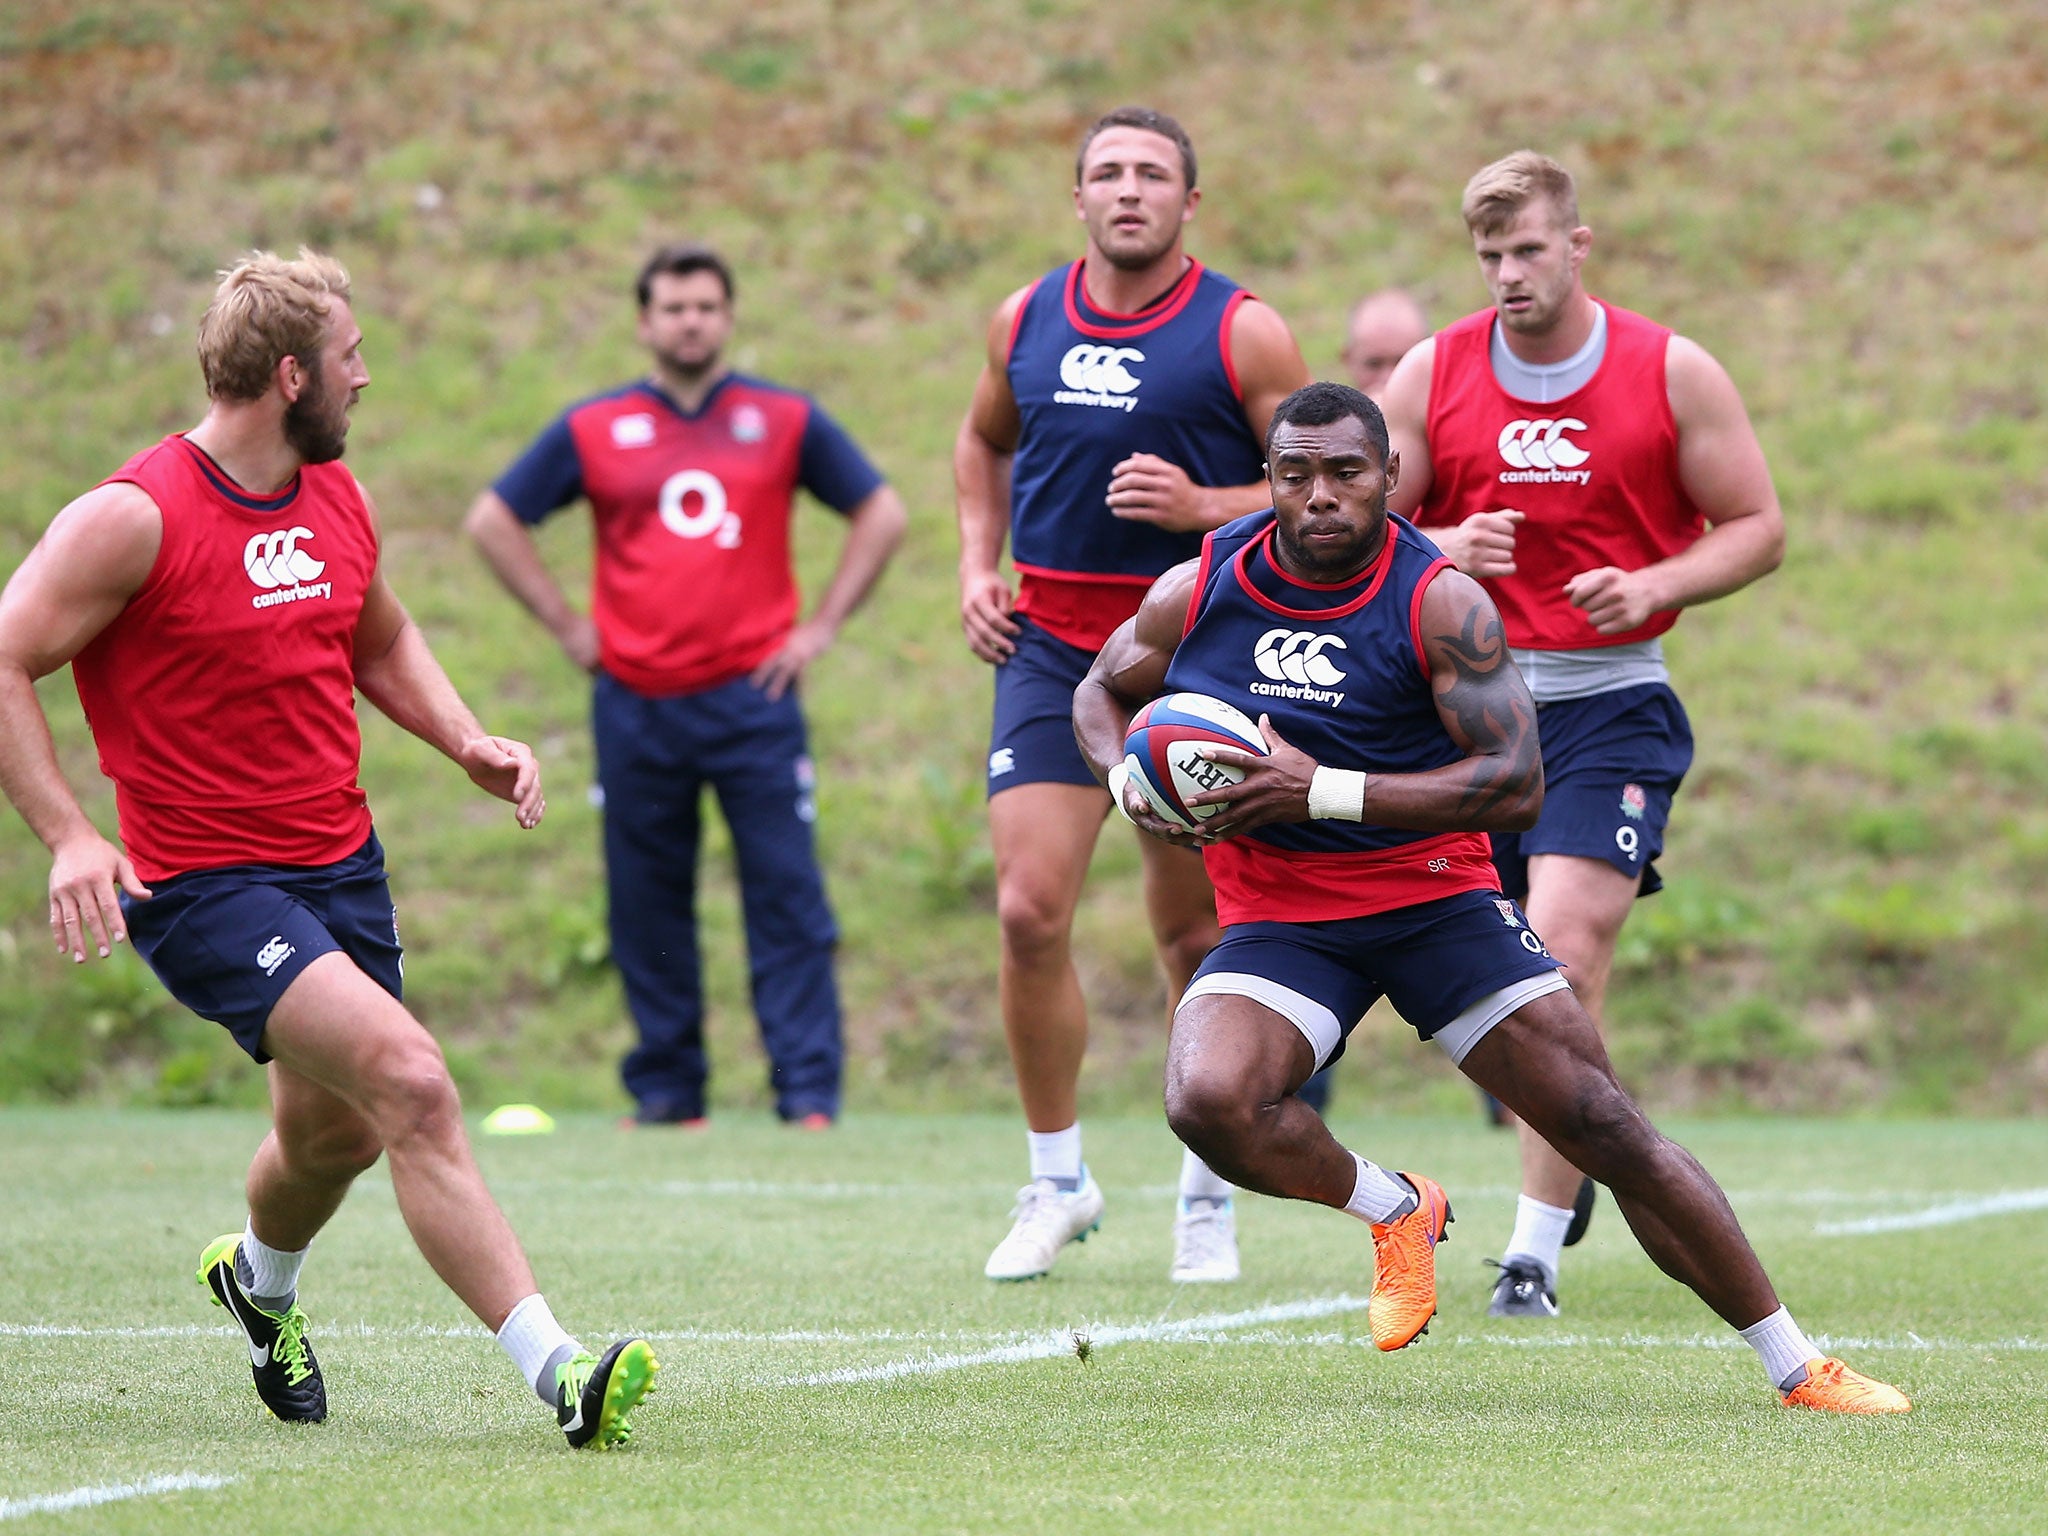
{"x": 654, "y": 757}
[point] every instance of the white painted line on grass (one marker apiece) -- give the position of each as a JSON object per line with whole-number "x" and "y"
{"x": 1047, "y": 1345}
{"x": 2008, "y": 1204}
{"x": 1912, "y": 1343}
{"x": 108, "y": 1493}
{"x": 471, "y": 1331}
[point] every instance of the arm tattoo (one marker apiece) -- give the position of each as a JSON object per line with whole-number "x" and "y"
{"x": 1490, "y": 715}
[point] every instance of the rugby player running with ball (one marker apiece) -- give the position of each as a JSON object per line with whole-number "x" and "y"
{"x": 1350, "y": 864}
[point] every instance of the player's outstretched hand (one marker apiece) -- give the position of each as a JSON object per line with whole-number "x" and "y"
{"x": 782, "y": 671}
{"x": 1274, "y": 787}
{"x": 83, "y": 903}
{"x": 1615, "y": 601}
{"x": 1483, "y": 544}
{"x": 506, "y": 768}
{"x": 1148, "y": 489}
{"x": 985, "y": 604}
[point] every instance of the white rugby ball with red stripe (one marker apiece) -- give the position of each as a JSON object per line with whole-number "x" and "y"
{"x": 1162, "y": 750}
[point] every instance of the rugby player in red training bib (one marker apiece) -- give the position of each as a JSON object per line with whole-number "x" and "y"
{"x": 696, "y": 648}
{"x": 221, "y": 600}
{"x": 1597, "y": 474}
{"x": 1351, "y": 864}
{"x": 1118, "y": 418}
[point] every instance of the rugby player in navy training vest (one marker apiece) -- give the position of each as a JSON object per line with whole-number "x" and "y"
{"x": 1119, "y": 418}
{"x": 1597, "y": 474}
{"x": 1350, "y": 864}
{"x": 696, "y": 649}
{"x": 221, "y": 599}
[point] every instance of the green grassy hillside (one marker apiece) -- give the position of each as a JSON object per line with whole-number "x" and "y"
{"x": 1840, "y": 198}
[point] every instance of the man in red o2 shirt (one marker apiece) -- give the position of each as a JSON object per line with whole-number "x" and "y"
{"x": 1597, "y": 473}
{"x": 696, "y": 649}
{"x": 221, "y": 599}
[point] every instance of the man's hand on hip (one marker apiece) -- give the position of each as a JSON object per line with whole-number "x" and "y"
{"x": 578, "y": 638}
{"x": 785, "y": 669}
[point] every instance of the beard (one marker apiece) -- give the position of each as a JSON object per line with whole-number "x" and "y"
{"x": 316, "y": 431}
{"x": 1337, "y": 565}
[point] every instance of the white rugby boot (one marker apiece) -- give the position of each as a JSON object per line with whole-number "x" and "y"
{"x": 1046, "y": 1219}
{"x": 1205, "y": 1243}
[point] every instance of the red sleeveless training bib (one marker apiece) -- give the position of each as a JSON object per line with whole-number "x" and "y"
{"x": 1596, "y": 472}
{"x": 222, "y": 698}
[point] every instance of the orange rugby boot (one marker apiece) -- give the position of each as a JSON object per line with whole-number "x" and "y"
{"x": 1832, "y": 1387}
{"x": 1404, "y": 1267}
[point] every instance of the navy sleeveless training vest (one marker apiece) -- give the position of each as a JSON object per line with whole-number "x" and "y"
{"x": 1343, "y": 675}
{"x": 1092, "y": 388}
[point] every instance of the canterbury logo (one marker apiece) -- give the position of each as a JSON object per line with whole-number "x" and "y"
{"x": 274, "y": 954}
{"x": 1540, "y": 451}
{"x": 1296, "y": 656}
{"x": 275, "y": 559}
{"x": 693, "y": 505}
{"x": 1096, "y": 375}
{"x": 286, "y": 572}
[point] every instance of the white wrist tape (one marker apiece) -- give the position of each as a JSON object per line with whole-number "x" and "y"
{"x": 1336, "y": 794}
{"x": 1119, "y": 776}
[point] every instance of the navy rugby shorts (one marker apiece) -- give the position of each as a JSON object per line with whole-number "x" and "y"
{"x": 227, "y": 942}
{"x": 1611, "y": 765}
{"x": 1033, "y": 739}
{"x": 1453, "y": 968}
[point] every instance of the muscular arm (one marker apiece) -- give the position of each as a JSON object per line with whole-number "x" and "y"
{"x": 509, "y": 550}
{"x": 982, "y": 450}
{"x": 1147, "y": 488}
{"x": 94, "y": 557}
{"x": 397, "y": 672}
{"x": 1721, "y": 466}
{"x": 1484, "y": 706}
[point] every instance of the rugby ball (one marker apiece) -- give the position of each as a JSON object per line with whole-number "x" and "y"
{"x": 1162, "y": 750}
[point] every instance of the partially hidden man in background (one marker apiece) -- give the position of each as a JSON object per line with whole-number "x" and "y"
{"x": 1118, "y": 418}
{"x": 694, "y": 639}
{"x": 221, "y": 598}
{"x": 1597, "y": 473}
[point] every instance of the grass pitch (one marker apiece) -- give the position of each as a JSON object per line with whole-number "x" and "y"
{"x": 833, "y": 1361}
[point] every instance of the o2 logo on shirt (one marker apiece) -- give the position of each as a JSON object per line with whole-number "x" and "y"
{"x": 693, "y": 506}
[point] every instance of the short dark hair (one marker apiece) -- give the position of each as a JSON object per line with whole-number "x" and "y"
{"x": 1152, "y": 122}
{"x": 1320, "y": 404}
{"x": 680, "y": 260}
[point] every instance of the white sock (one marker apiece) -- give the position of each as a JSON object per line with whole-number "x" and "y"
{"x": 1539, "y": 1234}
{"x": 537, "y": 1344}
{"x": 1379, "y": 1195}
{"x": 1784, "y": 1350}
{"x": 273, "y": 1273}
{"x": 1056, "y": 1155}
{"x": 1198, "y": 1181}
